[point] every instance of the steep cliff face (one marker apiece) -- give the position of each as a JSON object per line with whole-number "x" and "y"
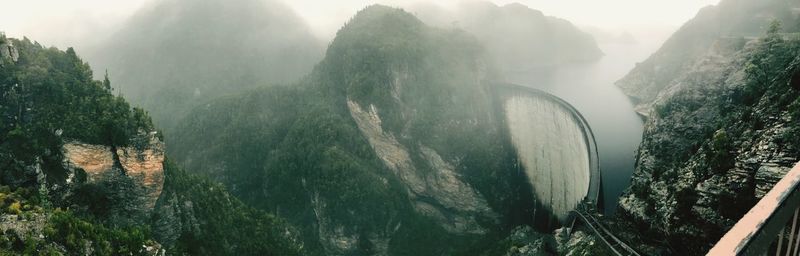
{"x": 731, "y": 21}
{"x": 441, "y": 193}
{"x": 143, "y": 165}
{"x": 196, "y": 216}
{"x": 716, "y": 141}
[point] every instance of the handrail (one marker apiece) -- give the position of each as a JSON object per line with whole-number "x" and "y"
{"x": 758, "y": 229}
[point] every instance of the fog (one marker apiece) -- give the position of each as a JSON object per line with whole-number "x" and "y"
{"x": 73, "y": 23}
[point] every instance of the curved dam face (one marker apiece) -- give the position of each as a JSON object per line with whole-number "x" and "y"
{"x": 555, "y": 147}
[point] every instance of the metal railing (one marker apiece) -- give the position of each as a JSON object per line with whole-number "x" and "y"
{"x": 771, "y": 227}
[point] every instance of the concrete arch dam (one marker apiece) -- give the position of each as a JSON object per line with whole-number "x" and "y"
{"x": 555, "y": 147}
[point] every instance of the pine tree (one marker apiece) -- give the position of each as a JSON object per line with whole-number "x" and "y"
{"x": 106, "y": 82}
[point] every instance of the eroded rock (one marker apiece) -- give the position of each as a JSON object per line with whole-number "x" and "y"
{"x": 145, "y": 165}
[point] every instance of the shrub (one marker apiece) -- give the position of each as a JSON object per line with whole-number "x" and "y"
{"x": 14, "y": 208}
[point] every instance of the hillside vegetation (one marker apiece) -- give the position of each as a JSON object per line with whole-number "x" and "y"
{"x": 48, "y": 98}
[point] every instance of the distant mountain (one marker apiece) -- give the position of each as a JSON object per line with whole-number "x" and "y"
{"x": 729, "y": 22}
{"x": 610, "y": 37}
{"x": 516, "y": 36}
{"x": 175, "y": 54}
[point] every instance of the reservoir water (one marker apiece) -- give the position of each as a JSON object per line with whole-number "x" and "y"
{"x": 590, "y": 88}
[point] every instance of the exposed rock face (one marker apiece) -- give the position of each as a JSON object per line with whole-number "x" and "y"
{"x": 33, "y": 225}
{"x": 581, "y": 243}
{"x": 7, "y": 50}
{"x": 175, "y": 217}
{"x": 93, "y": 159}
{"x": 455, "y": 202}
{"x": 525, "y": 241}
{"x": 145, "y": 165}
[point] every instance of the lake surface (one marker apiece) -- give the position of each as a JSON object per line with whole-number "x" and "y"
{"x": 590, "y": 88}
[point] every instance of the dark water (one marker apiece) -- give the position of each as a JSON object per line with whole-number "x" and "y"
{"x": 590, "y": 89}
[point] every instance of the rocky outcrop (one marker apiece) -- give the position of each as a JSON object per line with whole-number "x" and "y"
{"x": 175, "y": 217}
{"x": 525, "y": 241}
{"x": 7, "y": 50}
{"x": 145, "y": 165}
{"x": 440, "y": 193}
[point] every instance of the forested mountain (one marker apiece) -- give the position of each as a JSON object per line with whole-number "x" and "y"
{"x": 515, "y": 36}
{"x": 390, "y": 146}
{"x": 729, "y": 22}
{"x": 175, "y": 54}
{"x": 723, "y": 124}
{"x": 81, "y": 172}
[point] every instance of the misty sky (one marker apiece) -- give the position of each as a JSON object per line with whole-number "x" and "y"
{"x": 58, "y": 22}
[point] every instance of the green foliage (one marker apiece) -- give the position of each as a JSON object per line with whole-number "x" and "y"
{"x": 792, "y": 135}
{"x": 114, "y": 199}
{"x": 20, "y": 201}
{"x": 75, "y": 234}
{"x": 774, "y": 28}
{"x": 225, "y": 226}
{"x": 721, "y": 156}
{"x": 106, "y": 82}
{"x": 48, "y": 96}
{"x": 63, "y": 229}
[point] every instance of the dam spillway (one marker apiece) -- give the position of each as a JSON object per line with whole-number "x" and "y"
{"x": 554, "y": 146}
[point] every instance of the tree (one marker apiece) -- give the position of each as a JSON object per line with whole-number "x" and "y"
{"x": 774, "y": 27}
{"x": 761, "y": 67}
{"x": 106, "y": 82}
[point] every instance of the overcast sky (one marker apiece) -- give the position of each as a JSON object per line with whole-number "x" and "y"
{"x": 58, "y": 22}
